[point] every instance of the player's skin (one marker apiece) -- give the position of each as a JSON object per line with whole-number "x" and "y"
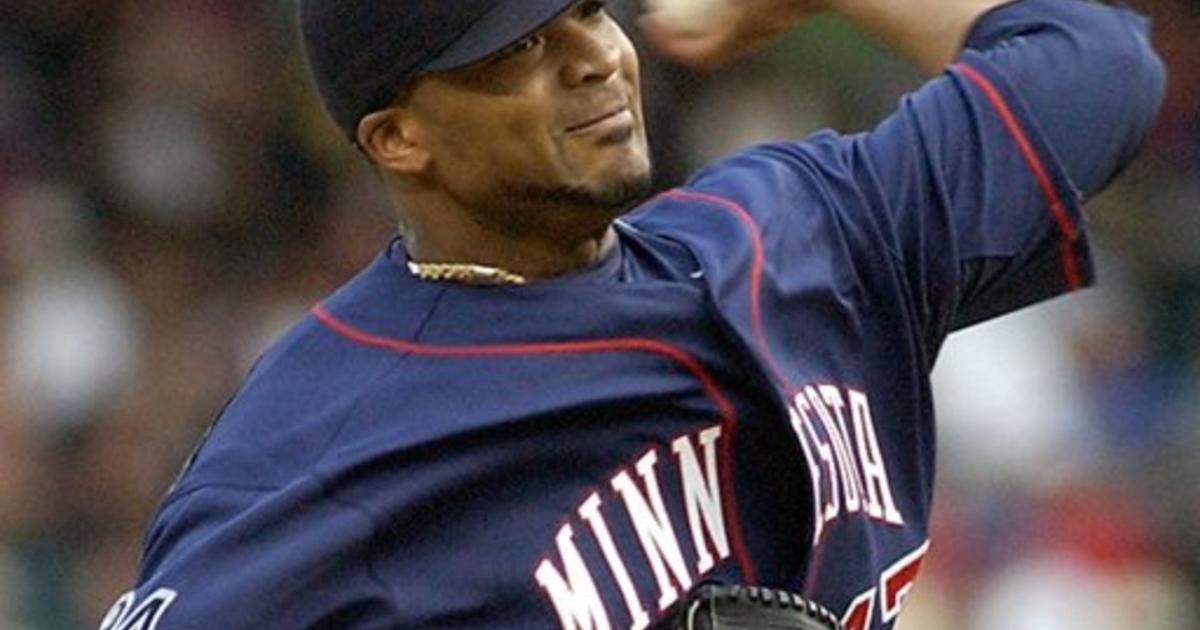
{"x": 499, "y": 163}
{"x": 488, "y": 164}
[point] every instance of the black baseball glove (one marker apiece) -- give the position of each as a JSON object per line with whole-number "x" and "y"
{"x": 720, "y": 607}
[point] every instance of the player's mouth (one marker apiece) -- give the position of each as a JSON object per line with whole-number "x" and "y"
{"x": 620, "y": 119}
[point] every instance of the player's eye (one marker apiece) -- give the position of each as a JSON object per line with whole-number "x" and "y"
{"x": 523, "y": 45}
{"x": 591, "y": 8}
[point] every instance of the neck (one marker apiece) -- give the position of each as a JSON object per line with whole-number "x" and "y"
{"x": 534, "y": 254}
{"x": 530, "y": 259}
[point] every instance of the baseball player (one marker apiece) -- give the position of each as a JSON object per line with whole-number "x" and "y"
{"x": 552, "y": 403}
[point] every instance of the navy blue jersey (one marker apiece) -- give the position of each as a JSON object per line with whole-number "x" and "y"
{"x": 737, "y": 393}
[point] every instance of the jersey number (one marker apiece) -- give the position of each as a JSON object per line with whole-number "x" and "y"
{"x": 894, "y": 585}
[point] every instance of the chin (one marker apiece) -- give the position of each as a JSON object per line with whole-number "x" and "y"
{"x": 626, "y": 191}
{"x": 612, "y": 194}
{"x": 626, "y": 176}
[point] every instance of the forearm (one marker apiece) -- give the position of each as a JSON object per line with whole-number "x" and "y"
{"x": 930, "y": 32}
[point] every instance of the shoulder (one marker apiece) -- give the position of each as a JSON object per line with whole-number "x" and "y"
{"x": 285, "y": 413}
{"x": 778, "y": 192}
{"x": 311, "y": 567}
{"x": 757, "y": 173}
{"x": 292, "y": 404}
{"x": 773, "y": 184}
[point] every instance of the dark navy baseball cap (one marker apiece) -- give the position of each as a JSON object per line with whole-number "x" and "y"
{"x": 362, "y": 53}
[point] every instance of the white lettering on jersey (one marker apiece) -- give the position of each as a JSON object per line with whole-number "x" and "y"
{"x": 832, "y": 398}
{"x": 145, "y": 616}
{"x": 702, "y": 496}
{"x": 814, "y": 475}
{"x": 590, "y": 512}
{"x": 879, "y": 501}
{"x": 832, "y": 507}
{"x": 654, "y": 529}
{"x": 846, "y": 465}
{"x": 575, "y": 598}
{"x": 649, "y": 558}
{"x": 841, "y": 452}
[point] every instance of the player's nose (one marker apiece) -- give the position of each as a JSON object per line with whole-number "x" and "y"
{"x": 591, "y": 55}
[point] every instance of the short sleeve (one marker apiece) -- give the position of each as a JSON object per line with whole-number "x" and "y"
{"x": 284, "y": 558}
{"x": 971, "y": 193}
{"x": 982, "y": 173}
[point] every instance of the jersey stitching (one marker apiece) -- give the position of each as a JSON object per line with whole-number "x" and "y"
{"x": 365, "y": 512}
{"x": 161, "y": 517}
{"x": 437, "y": 300}
{"x": 755, "y": 233}
{"x": 628, "y": 344}
{"x": 188, "y": 492}
{"x": 865, "y": 167}
{"x": 756, "y": 272}
{"x": 1067, "y": 234}
{"x": 349, "y": 413}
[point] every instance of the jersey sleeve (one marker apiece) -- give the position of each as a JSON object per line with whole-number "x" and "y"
{"x": 965, "y": 203}
{"x": 978, "y": 178}
{"x": 252, "y": 558}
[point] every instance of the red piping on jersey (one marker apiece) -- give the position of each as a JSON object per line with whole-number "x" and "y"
{"x": 624, "y": 344}
{"x": 1065, "y": 229}
{"x": 756, "y": 272}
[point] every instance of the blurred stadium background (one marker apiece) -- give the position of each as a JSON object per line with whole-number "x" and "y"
{"x": 171, "y": 197}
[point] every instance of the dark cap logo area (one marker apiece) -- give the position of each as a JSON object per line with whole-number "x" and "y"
{"x": 362, "y": 53}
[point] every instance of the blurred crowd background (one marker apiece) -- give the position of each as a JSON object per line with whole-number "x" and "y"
{"x": 171, "y": 197}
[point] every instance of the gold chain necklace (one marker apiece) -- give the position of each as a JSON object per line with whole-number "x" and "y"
{"x": 465, "y": 273}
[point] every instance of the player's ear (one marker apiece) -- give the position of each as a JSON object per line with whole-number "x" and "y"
{"x": 386, "y": 136}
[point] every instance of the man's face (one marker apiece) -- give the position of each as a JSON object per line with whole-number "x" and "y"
{"x": 553, "y": 121}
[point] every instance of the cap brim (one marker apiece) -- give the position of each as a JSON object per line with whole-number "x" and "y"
{"x": 506, "y": 22}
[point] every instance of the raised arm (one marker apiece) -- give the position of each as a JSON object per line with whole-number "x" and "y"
{"x": 1086, "y": 71}
{"x": 930, "y": 32}
{"x": 982, "y": 172}
{"x": 976, "y": 181}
